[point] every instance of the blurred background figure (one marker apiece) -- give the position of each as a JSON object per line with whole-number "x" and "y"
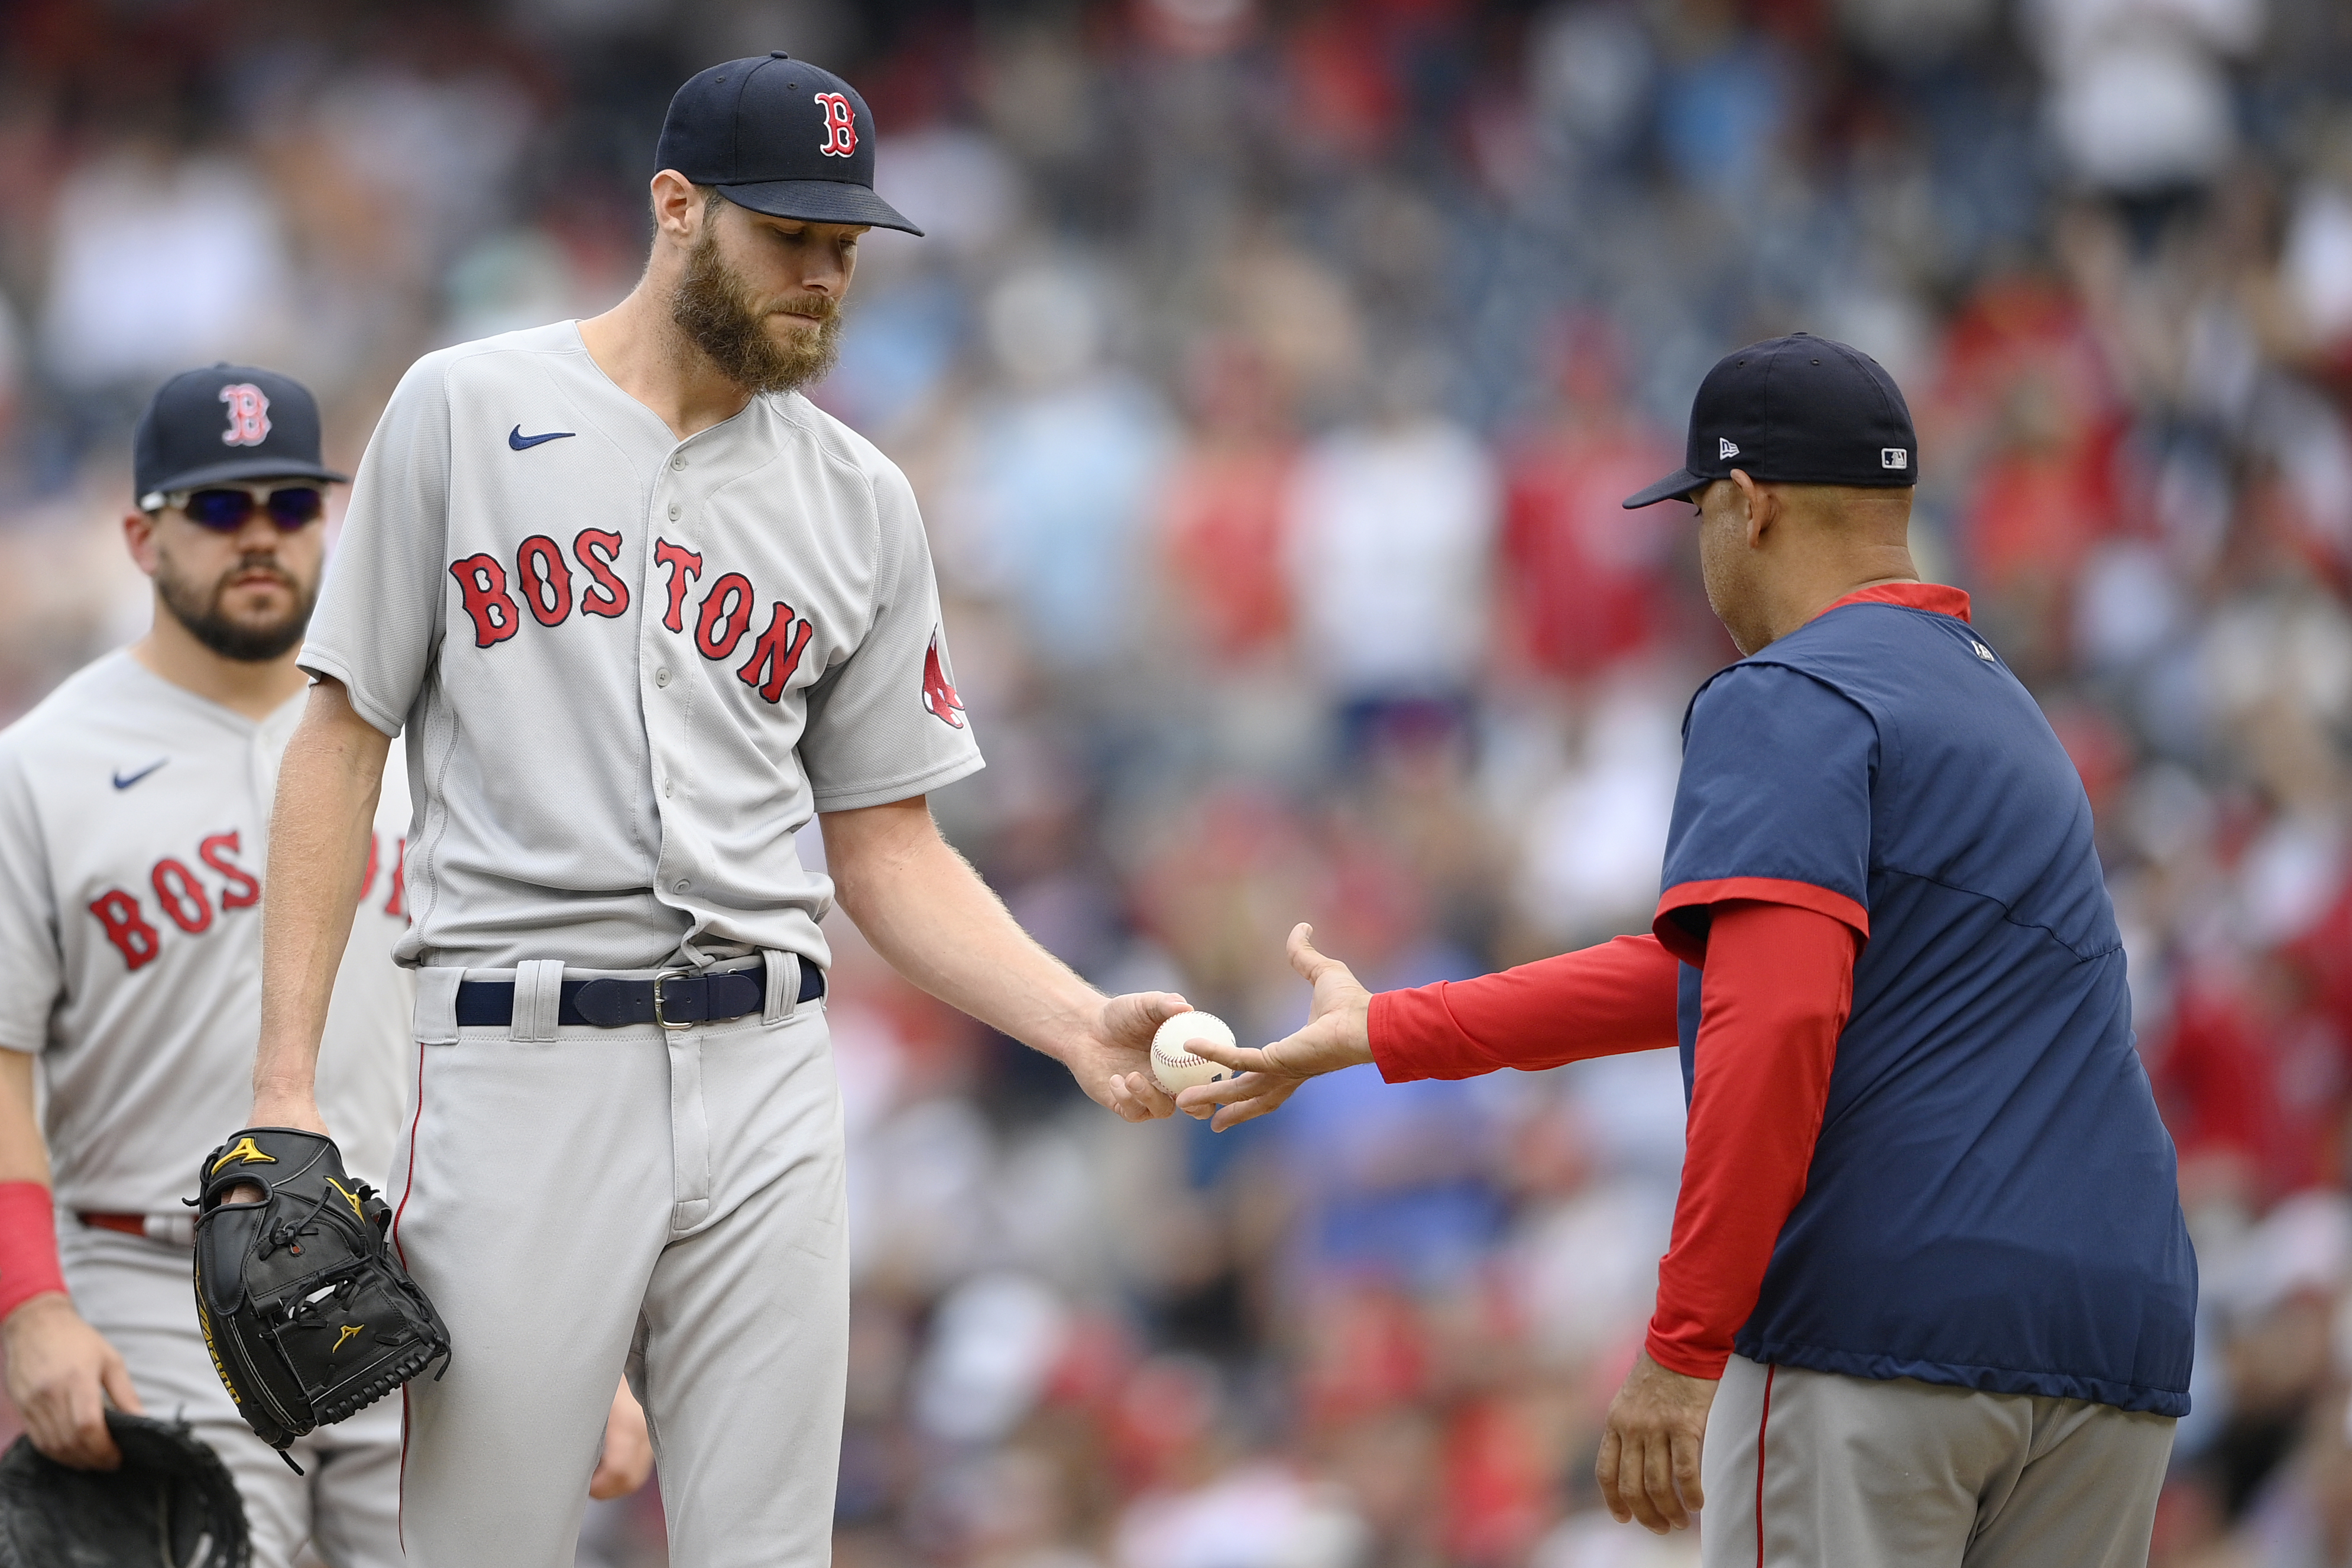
{"x": 1269, "y": 382}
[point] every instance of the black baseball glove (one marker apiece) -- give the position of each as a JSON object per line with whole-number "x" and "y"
{"x": 172, "y": 1503}
{"x": 307, "y": 1314}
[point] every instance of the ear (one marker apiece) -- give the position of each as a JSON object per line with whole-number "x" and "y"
{"x": 138, "y": 538}
{"x": 1762, "y": 506}
{"x": 677, "y": 207}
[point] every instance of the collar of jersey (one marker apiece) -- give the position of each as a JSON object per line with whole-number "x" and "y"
{"x": 1934, "y": 597}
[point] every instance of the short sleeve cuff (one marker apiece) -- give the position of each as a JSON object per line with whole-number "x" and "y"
{"x": 857, "y": 796}
{"x": 1677, "y": 938}
{"x": 322, "y": 664}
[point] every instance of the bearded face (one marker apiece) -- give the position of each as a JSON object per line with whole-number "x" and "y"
{"x": 254, "y": 611}
{"x": 722, "y": 315}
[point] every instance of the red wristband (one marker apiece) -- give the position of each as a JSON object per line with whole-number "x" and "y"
{"x": 28, "y": 1244}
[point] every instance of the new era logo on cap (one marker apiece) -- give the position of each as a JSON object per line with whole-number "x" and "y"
{"x": 1808, "y": 410}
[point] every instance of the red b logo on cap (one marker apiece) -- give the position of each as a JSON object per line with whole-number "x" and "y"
{"x": 840, "y": 126}
{"x": 249, "y": 415}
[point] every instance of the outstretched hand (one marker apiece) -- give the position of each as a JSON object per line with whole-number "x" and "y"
{"x": 1112, "y": 1059}
{"x": 1337, "y": 1034}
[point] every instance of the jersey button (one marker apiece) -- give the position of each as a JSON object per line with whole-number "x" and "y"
{"x": 677, "y": 462}
{"x": 666, "y": 786}
{"x": 674, "y": 509}
{"x": 683, "y": 884}
{"x": 661, "y": 678}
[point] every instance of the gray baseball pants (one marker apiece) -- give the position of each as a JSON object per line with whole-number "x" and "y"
{"x": 139, "y": 1294}
{"x": 1812, "y": 1469}
{"x": 593, "y": 1201}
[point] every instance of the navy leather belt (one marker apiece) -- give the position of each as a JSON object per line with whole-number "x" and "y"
{"x": 673, "y": 1001}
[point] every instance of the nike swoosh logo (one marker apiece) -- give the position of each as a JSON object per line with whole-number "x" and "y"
{"x": 522, "y": 443}
{"x": 123, "y": 783}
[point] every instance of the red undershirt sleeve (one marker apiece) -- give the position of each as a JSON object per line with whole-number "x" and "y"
{"x": 1596, "y": 1001}
{"x": 1779, "y": 986}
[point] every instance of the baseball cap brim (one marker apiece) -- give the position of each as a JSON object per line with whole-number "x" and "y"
{"x": 819, "y": 201}
{"x": 1677, "y": 486}
{"x": 255, "y": 466}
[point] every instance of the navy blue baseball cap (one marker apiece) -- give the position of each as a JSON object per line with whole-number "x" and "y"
{"x": 225, "y": 424}
{"x": 778, "y": 136}
{"x": 1801, "y": 409}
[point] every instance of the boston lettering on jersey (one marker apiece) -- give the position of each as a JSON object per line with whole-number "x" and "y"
{"x": 543, "y": 581}
{"x": 186, "y": 902}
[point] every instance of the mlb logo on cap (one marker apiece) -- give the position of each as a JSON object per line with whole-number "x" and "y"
{"x": 1799, "y": 410}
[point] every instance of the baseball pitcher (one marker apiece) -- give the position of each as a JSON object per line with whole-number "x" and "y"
{"x": 639, "y": 611}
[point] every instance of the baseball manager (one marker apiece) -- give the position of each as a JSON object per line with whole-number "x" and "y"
{"x": 640, "y": 610}
{"x": 1930, "y": 1294}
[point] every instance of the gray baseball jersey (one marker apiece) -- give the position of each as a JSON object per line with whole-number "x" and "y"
{"x": 135, "y": 817}
{"x": 629, "y": 668}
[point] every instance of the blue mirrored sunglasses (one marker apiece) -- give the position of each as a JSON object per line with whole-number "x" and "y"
{"x": 225, "y": 509}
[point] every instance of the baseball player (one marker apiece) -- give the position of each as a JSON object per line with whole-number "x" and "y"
{"x": 639, "y": 611}
{"x": 133, "y": 809}
{"x": 134, "y": 813}
{"x": 1930, "y": 1294}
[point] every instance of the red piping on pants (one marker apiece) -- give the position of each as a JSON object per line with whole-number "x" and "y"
{"x": 1762, "y": 1422}
{"x": 408, "y": 1184}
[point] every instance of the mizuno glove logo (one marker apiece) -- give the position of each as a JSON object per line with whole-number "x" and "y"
{"x": 243, "y": 1149}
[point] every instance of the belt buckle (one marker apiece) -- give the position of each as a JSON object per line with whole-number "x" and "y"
{"x": 659, "y": 1016}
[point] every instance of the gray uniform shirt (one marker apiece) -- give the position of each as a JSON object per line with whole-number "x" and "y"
{"x": 629, "y": 668}
{"x": 134, "y": 819}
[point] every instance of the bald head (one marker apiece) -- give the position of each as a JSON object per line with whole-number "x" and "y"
{"x": 1774, "y": 554}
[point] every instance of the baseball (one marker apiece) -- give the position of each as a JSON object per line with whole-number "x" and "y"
{"x": 1173, "y": 1067}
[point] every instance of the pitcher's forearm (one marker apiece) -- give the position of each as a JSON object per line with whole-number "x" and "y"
{"x": 929, "y": 916}
{"x": 318, "y": 832}
{"x": 937, "y": 923}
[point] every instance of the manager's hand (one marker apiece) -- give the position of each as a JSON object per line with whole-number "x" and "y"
{"x": 1648, "y": 1468}
{"x": 1337, "y": 1034}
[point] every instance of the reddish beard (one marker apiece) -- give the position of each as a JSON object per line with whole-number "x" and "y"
{"x": 721, "y": 316}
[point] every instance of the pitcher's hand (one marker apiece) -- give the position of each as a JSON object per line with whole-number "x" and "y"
{"x": 277, "y": 1107}
{"x": 1337, "y": 1034}
{"x": 1112, "y": 1059}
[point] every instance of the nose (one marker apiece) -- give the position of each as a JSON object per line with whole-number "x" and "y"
{"x": 258, "y": 535}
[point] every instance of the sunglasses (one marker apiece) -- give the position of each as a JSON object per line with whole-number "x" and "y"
{"x": 225, "y": 509}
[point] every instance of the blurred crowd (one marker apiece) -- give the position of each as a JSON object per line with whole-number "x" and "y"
{"x": 1270, "y": 377}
